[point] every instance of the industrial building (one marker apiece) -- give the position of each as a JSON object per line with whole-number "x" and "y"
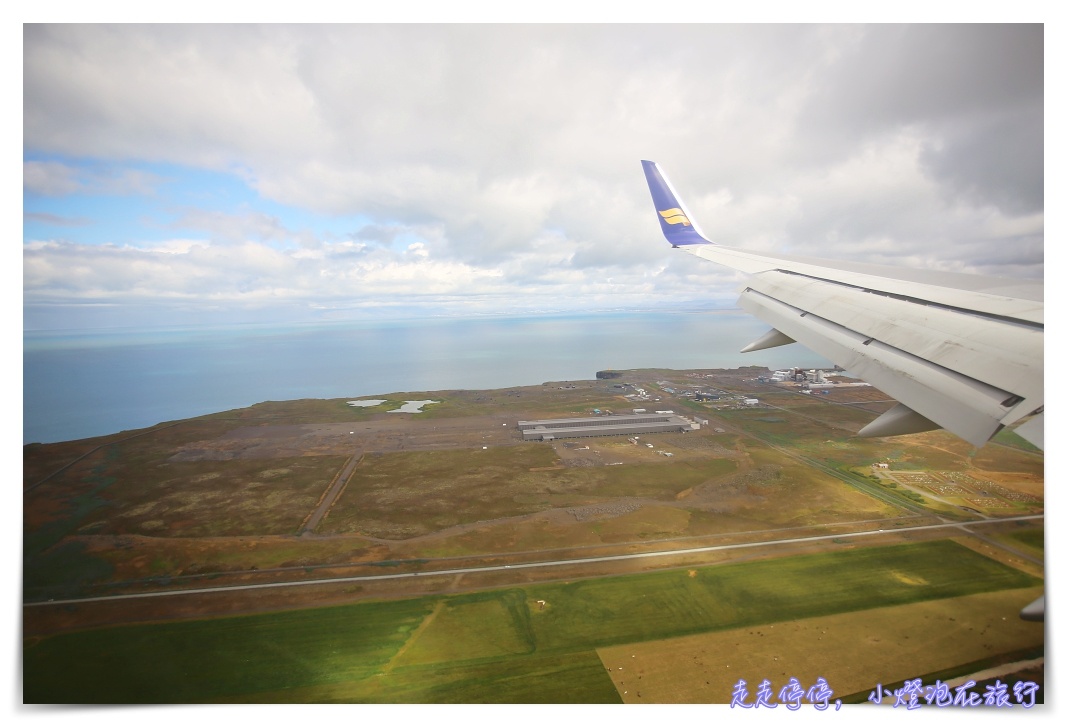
{"x": 601, "y": 426}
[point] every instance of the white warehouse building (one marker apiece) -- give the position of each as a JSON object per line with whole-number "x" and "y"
{"x": 602, "y": 426}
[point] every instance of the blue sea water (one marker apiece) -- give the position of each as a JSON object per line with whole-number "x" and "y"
{"x": 89, "y": 383}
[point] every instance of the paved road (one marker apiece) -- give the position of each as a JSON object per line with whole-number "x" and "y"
{"x": 531, "y": 565}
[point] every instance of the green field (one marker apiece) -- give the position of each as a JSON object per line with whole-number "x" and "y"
{"x": 208, "y": 659}
{"x": 498, "y": 645}
{"x": 1009, "y": 437}
{"x": 672, "y": 603}
{"x": 1034, "y": 538}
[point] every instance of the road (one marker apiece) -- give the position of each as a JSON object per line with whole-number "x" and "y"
{"x": 332, "y": 493}
{"x": 533, "y": 564}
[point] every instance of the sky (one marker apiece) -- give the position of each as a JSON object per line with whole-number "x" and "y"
{"x": 202, "y": 174}
{"x": 211, "y": 174}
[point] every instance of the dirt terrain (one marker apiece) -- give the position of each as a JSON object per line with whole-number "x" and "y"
{"x": 382, "y": 433}
{"x": 296, "y": 490}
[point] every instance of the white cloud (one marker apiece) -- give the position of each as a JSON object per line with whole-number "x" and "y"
{"x": 227, "y": 227}
{"x": 501, "y": 162}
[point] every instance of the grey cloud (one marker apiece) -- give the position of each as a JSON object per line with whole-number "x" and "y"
{"x": 382, "y": 234}
{"x": 995, "y": 160}
{"x": 50, "y": 219}
{"x": 55, "y": 179}
{"x": 974, "y": 91}
{"x": 204, "y": 95}
{"x": 510, "y": 147}
{"x": 49, "y": 178}
{"x": 234, "y": 228}
{"x": 892, "y": 75}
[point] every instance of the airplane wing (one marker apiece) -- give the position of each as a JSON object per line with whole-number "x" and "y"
{"x": 957, "y": 351}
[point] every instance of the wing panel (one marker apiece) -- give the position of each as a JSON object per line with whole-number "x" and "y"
{"x": 985, "y": 297}
{"x": 968, "y": 408}
{"x": 1033, "y": 431}
{"x": 1003, "y": 354}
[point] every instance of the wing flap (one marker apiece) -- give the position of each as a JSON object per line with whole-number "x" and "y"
{"x": 992, "y": 350}
{"x": 968, "y": 408}
{"x": 1034, "y": 431}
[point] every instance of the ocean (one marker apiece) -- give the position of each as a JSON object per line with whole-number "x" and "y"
{"x": 88, "y": 383}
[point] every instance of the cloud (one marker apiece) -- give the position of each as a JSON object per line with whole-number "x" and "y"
{"x": 509, "y": 154}
{"x": 50, "y": 219}
{"x": 334, "y": 275}
{"x": 995, "y": 160}
{"x": 201, "y": 95}
{"x": 234, "y": 227}
{"x": 382, "y": 234}
{"x": 49, "y": 178}
{"x": 974, "y": 93}
{"x": 56, "y": 179}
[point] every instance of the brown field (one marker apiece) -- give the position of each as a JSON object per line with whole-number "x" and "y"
{"x": 979, "y": 490}
{"x": 140, "y": 557}
{"x": 914, "y": 640}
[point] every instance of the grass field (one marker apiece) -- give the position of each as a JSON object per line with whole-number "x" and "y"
{"x": 135, "y": 488}
{"x": 852, "y": 651}
{"x": 472, "y": 627}
{"x": 121, "y": 511}
{"x": 209, "y": 659}
{"x": 1033, "y": 538}
{"x": 572, "y": 677}
{"x": 134, "y": 557}
{"x": 226, "y": 493}
{"x": 404, "y": 494}
{"x": 499, "y": 645}
{"x": 670, "y": 603}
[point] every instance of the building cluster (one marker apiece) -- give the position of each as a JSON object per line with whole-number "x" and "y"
{"x": 639, "y": 394}
{"x": 635, "y": 424}
{"x": 796, "y": 374}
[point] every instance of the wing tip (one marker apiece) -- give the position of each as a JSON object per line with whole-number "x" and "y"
{"x": 676, "y": 222}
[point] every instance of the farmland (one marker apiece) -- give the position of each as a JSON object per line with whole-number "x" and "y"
{"x": 530, "y": 642}
{"x": 224, "y": 501}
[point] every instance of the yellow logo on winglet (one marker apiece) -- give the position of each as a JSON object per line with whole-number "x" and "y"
{"x": 674, "y": 216}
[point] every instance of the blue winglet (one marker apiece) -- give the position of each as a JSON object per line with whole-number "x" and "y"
{"x": 675, "y": 220}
